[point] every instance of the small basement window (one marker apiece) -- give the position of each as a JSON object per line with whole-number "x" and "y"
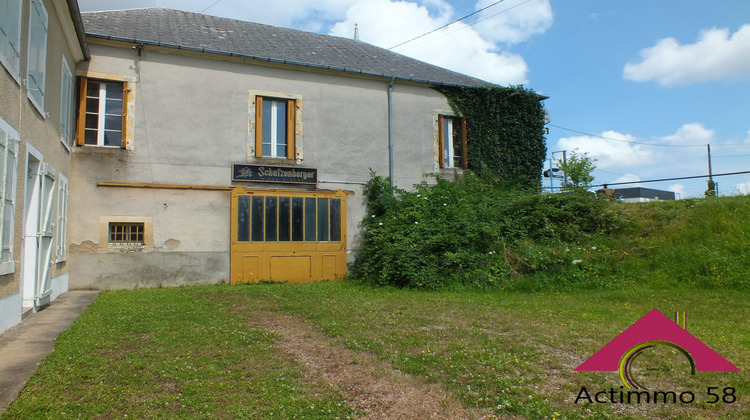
{"x": 126, "y": 234}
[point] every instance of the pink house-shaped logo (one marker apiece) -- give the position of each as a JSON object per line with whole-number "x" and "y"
{"x": 654, "y": 327}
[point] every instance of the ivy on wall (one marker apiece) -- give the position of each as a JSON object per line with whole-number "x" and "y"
{"x": 505, "y": 132}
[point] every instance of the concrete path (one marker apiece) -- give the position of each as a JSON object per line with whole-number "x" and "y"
{"x": 23, "y": 346}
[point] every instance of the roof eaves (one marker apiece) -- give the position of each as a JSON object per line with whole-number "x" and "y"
{"x": 275, "y": 60}
{"x": 75, "y": 15}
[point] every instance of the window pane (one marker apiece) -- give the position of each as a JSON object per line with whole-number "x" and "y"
{"x": 112, "y": 138}
{"x": 92, "y": 105}
{"x": 256, "y": 226}
{"x": 92, "y": 121}
{"x": 243, "y": 218}
{"x": 114, "y": 90}
{"x": 335, "y": 219}
{"x": 284, "y": 218}
{"x": 457, "y": 145}
{"x": 114, "y": 106}
{"x": 267, "y": 126}
{"x": 297, "y": 219}
{"x": 113, "y": 122}
{"x": 310, "y": 219}
{"x": 280, "y": 128}
{"x": 271, "y": 218}
{"x": 89, "y": 137}
{"x": 323, "y": 219}
{"x": 92, "y": 89}
{"x": 447, "y": 140}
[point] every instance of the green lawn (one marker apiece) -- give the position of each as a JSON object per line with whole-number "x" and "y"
{"x": 191, "y": 353}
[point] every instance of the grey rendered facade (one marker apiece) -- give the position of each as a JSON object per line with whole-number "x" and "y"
{"x": 193, "y": 86}
{"x": 120, "y": 132}
{"x": 41, "y": 43}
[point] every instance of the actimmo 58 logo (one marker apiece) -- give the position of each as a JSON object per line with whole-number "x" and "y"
{"x": 654, "y": 330}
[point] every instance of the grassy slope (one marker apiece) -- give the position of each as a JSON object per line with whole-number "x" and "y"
{"x": 188, "y": 353}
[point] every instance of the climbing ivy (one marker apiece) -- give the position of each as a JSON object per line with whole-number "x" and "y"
{"x": 505, "y": 132}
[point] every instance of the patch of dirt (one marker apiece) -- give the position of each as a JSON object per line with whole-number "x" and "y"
{"x": 370, "y": 385}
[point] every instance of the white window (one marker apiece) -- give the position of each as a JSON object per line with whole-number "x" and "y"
{"x": 37, "y": 54}
{"x": 10, "y": 35}
{"x": 66, "y": 105}
{"x": 62, "y": 219}
{"x": 8, "y": 162}
{"x": 103, "y": 114}
{"x": 275, "y": 127}
{"x": 452, "y": 142}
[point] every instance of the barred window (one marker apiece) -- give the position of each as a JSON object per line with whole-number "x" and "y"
{"x": 126, "y": 234}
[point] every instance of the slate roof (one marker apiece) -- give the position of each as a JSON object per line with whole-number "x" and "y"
{"x": 196, "y": 32}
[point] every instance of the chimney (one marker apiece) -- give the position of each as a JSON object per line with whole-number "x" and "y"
{"x": 356, "y": 32}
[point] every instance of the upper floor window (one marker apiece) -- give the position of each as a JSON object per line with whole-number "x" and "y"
{"x": 452, "y": 142}
{"x": 275, "y": 123}
{"x": 37, "y": 54}
{"x": 10, "y": 35}
{"x": 66, "y": 102}
{"x": 102, "y": 113}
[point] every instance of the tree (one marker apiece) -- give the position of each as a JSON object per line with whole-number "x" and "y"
{"x": 578, "y": 168}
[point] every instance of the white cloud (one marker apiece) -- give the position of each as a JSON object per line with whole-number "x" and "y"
{"x": 458, "y": 47}
{"x": 511, "y": 23}
{"x": 691, "y": 134}
{"x": 743, "y": 188}
{"x": 679, "y": 189}
{"x": 612, "y": 152}
{"x": 715, "y": 56}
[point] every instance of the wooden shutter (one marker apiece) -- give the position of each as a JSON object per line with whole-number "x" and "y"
{"x": 81, "y": 121}
{"x": 125, "y": 102}
{"x": 464, "y": 144}
{"x": 441, "y": 141}
{"x": 258, "y": 126}
{"x": 291, "y": 128}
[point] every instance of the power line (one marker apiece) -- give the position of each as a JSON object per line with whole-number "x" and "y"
{"x": 448, "y": 24}
{"x": 626, "y": 141}
{"x": 467, "y": 26}
{"x": 670, "y": 179}
{"x": 648, "y": 144}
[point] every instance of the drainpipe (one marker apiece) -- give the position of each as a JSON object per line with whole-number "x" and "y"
{"x": 390, "y": 131}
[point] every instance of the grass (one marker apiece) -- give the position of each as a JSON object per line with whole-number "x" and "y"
{"x": 190, "y": 352}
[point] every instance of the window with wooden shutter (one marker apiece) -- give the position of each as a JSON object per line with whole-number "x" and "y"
{"x": 10, "y": 36}
{"x": 37, "y": 60}
{"x": 103, "y": 113}
{"x": 275, "y": 127}
{"x": 452, "y": 142}
{"x": 66, "y": 105}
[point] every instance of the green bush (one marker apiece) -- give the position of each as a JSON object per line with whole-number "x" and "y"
{"x": 471, "y": 232}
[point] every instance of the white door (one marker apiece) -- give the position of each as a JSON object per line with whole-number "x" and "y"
{"x": 37, "y": 235}
{"x": 44, "y": 253}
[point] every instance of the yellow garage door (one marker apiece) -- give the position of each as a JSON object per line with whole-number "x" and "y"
{"x": 294, "y": 236}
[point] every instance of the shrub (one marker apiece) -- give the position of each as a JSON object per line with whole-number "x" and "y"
{"x": 470, "y": 232}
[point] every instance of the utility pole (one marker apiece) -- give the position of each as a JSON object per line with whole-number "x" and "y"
{"x": 711, "y": 185}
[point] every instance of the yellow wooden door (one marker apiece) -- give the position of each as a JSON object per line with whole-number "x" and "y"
{"x": 287, "y": 235}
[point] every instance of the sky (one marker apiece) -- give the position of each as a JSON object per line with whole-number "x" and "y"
{"x": 641, "y": 86}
